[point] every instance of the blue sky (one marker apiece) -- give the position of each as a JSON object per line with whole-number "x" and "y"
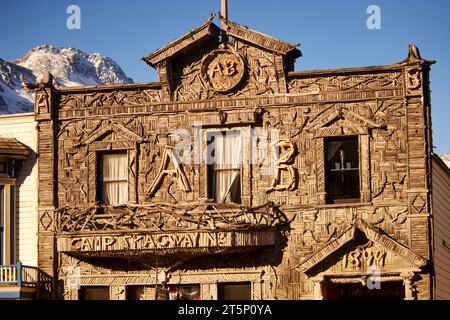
{"x": 333, "y": 34}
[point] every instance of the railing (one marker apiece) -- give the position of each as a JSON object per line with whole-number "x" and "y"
{"x": 19, "y": 274}
{"x": 26, "y": 276}
{"x": 8, "y": 274}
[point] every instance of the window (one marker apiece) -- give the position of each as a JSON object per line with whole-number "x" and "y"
{"x": 342, "y": 170}
{"x": 94, "y": 293}
{"x": 114, "y": 178}
{"x": 184, "y": 292}
{"x": 135, "y": 293}
{"x": 3, "y": 167}
{"x": 7, "y": 224}
{"x": 224, "y": 166}
{"x": 235, "y": 291}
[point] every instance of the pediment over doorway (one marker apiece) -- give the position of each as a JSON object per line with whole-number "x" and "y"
{"x": 361, "y": 248}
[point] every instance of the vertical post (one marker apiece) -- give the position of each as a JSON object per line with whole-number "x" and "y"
{"x": 408, "y": 283}
{"x": 19, "y": 273}
{"x": 317, "y": 284}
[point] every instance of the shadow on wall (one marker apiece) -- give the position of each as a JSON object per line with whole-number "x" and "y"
{"x": 24, "y": 171}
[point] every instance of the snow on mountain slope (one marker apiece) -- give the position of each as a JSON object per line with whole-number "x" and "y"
{"x": 69, "y": 66}
{"x": 13, "y": 98}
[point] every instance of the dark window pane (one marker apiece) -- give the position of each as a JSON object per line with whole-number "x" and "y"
{"x": 94, "y": 293}
{"x": 135, "y": 293}
{"x": 235, "y": 291}
{"x": 342, "y": 169}
{"x": 356, "y": 291}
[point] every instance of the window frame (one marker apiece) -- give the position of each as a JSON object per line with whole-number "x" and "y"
{"x": 210, "y": 170}
{"x": 343, "y": 170}
{"x": 364, "y": 168}
{"x": 200, "y": 147}
{"x": 8, "y": 221}
{"x": 100, "y": 179}
{"x": 221, "y": 290}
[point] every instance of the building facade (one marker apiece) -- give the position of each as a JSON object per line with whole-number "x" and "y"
{"x": 19, "y": 275}
{"x": 236, "y": 177}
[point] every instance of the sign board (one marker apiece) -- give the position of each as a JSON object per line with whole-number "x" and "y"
{"x": 153, "y": 241}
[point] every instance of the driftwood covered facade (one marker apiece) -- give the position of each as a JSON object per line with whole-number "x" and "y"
{"x": 332, "y": 192}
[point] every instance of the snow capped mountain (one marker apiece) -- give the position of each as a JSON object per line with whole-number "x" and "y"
{"x": 69, "y": 66}
{"x": 13, "y": 98}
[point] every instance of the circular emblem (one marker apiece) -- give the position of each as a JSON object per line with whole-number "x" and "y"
{"x": 222, "y": 70}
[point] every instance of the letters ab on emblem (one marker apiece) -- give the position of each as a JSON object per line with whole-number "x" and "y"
{"x": 222, "y": 70}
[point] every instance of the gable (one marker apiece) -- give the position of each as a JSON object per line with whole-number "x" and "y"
{"x": 201, "y": 65}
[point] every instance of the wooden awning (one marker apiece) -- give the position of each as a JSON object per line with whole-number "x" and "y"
{"x": 12, "y": 148}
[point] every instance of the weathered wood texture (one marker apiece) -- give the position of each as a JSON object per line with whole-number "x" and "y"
{"x": 383, "y": 106}
{"x": 441, "y": 227}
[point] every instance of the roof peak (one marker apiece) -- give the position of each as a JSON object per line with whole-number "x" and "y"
{"x": 208, "y": 30}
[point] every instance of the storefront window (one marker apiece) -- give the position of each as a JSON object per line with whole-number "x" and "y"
{"x": 184, "y": 292}
{"x": 94, "y": 293}
{"x": 235, "y": 291}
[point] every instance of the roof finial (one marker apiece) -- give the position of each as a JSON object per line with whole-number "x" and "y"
{"x": 413, "y": 53}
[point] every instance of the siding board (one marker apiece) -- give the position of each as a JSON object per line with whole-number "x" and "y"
{"x": 441, "y": 213}
{"x": 22, "y": 127}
